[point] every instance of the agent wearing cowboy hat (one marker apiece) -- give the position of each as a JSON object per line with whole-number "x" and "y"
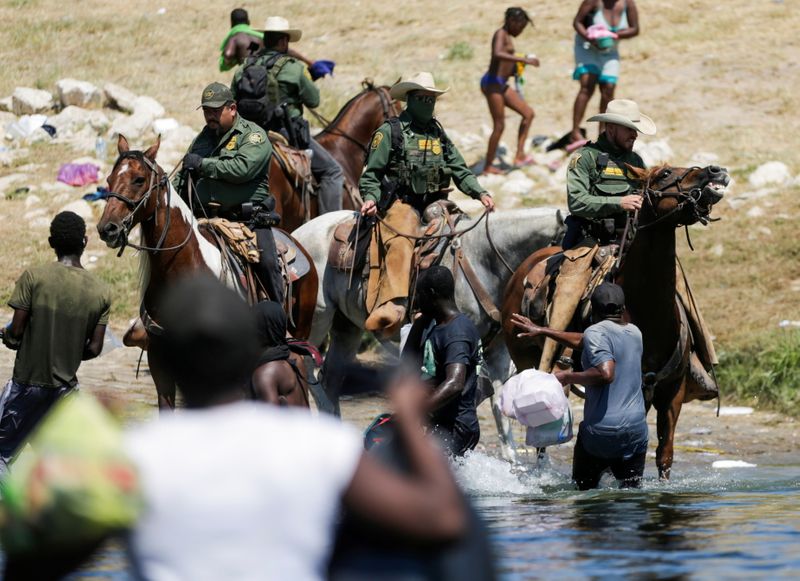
{"x": 294, "y": 91}
{"x": 599, "y": 191}
{"x": 409, "y": 165}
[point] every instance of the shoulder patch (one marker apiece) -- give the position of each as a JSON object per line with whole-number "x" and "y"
{"x": 574, "y": 161}
{"x": 376, "y": 140}
{"x": 255, "y": 138}
{"x": 231, "y": 144}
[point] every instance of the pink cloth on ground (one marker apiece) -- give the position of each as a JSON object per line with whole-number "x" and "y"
{"x": 78, "y": 174}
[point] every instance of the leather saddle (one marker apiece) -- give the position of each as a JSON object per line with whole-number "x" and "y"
{"x": 295, "y": 163}
{"x": 349, "y": 249}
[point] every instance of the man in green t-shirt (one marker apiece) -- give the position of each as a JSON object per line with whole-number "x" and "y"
{"x": 60, "y": 318}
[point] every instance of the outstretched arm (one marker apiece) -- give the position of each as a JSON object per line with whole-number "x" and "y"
{"x": 569, "y": 339}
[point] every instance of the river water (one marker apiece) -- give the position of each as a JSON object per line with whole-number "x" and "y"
{"x": 706, "y": 523}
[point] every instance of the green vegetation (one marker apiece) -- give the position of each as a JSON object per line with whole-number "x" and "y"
{"x": 460, "y": 51}
{"x": 765, "y": 373}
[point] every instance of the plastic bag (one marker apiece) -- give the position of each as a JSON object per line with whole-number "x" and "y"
{"x": 74, "y": 486}
{"x": 78, "y": 174}
{"x": 533, "y": 398}
{"x": 552, "y": 434}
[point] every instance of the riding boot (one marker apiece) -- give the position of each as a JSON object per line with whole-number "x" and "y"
{"x": 571, "y": 283}
{"x": 390, "y": 270}
{"x": 699, "y": 383}
{"x": 330, "y": 178}
{"x": 268, "y": 268}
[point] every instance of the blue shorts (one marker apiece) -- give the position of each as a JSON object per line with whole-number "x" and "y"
{"x": 489, "y": 79}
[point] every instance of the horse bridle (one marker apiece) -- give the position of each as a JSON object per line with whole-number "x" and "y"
{"x": 158, "y": 179}
{"x": 650, "y": 195}
{"x": 690, "y": 197}
{"x": 386, "y": 105}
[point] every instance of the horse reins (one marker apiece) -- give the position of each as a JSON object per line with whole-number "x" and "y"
{"x": 156, "y": 183}
{"x": 368, "y": 88}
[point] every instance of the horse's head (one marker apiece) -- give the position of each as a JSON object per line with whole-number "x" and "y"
{"x": 133, "y": 192}
{"x": 680, "y": 196}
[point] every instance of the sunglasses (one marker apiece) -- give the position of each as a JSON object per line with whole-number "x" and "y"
{"x": 428, "y": 99}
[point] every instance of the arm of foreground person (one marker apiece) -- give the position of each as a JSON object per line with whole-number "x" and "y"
{"x": 94, "y": 344}
{"x": 599, "y": 376}
{"x": 426, "y": 505}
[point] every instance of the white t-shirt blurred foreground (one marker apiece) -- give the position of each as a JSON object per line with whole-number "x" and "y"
{"x": 240, "y": 491}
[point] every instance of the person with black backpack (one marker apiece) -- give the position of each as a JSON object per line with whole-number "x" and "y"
{"x": 271, "y": 89}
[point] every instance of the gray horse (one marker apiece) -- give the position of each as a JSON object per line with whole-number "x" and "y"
{"x": 341, "y": 313}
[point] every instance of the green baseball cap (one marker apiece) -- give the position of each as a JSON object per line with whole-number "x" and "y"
{"x": 216, "y": 95}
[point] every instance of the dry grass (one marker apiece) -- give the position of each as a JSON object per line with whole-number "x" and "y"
{"x": 716, "y": 76}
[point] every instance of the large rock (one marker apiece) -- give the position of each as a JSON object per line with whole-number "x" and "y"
{"x": 770, "y": 174}
{"x": 133, "y": 127}
{"x": 119, "y": 97}
{"x": 81, "y": 208}
{"x": 654, "y": 153}
{"x": 73, "y": 119}
{"x": 147, "y": 106}
{"x": 26, "y": 101}
{"x": 78, "y": 94}
{"x": 517, "y": 183}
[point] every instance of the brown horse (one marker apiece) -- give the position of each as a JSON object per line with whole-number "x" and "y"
{"x": 672, "y": 197}
{"x": 346, "y": 138}
{"x": 172, "y": 246}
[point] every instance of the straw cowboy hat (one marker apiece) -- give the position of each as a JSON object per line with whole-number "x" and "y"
{"x": 420, "y": 82}
{"x": 278, "y": 24}
{"x": 626, "y": 113}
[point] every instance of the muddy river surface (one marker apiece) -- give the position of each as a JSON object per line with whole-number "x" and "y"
{"x": 710, "y": 521}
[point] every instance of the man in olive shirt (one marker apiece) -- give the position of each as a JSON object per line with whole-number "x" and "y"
{"x": 293, "y": 91}
{"x": 599, "y": 188}
{"x": 400, "y": 184}
{"x": 60, "y": 317}
{"x": 229, "y": 161}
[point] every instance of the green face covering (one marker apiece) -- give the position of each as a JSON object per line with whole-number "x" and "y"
{"x": 420, "y": 109}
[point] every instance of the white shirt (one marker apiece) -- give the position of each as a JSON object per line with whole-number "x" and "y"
{"x": 240, "y": 491}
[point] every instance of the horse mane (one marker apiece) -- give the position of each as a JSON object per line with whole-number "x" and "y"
{"x": 368, "y": 87}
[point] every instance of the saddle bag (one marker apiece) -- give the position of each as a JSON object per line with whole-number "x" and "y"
{"x": 238, "y": 236}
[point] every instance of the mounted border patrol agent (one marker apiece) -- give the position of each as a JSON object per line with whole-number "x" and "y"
{"x": 600, "y": 195}
{"x": 229, "y": 161}
{"x": 271, "y": 89}
{"x": 409, "y": 166}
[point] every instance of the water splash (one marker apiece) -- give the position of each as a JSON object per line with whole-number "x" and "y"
{"x": 482, "y": 475}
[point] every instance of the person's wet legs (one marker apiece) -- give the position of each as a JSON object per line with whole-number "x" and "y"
{"x": 606, "y": 96}
{"x": 496, "y": 102}
{"x": 329, "y": 175}
{"x": 588, "y": 83}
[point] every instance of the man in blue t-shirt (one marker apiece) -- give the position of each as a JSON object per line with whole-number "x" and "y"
{"x": 613, "y": 434}
{"x": 447, "y": 345}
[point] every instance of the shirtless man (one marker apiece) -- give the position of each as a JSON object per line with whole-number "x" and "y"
{"x": 597, "y": 59}
{"x": 275, "y": 379}
{"x": 243, "y": 41}
{"x": 494, "y": 85}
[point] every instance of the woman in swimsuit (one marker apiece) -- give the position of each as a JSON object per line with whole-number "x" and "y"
{"x": 494, "y": 86}
{"x": 597, "y": 59}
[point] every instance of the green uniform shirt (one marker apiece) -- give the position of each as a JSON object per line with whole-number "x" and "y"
{"x": 594, "y": 192}
{"x": 295, "y": 87}
{"x": 429, "y": 161}
{"x": 65, "y": 305}
{"x": 234, "y": 168}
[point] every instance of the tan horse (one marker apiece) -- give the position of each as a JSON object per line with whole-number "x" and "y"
{"x": 672, "y": 197}
{"x": 346, "y": 138}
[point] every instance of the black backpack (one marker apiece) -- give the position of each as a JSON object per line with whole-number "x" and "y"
{"x": 257, "y": 91}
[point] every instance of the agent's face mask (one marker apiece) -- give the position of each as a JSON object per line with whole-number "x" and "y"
{"x": 420, "y": 107}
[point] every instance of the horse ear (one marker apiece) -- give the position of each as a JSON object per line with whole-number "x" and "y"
{"x": 153, "y": 150}
{"x": 637, "y": 172}
{"x": 122, "y": 144}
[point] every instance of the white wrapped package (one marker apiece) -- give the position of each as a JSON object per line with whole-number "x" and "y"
{"x": 533, "y": 398}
